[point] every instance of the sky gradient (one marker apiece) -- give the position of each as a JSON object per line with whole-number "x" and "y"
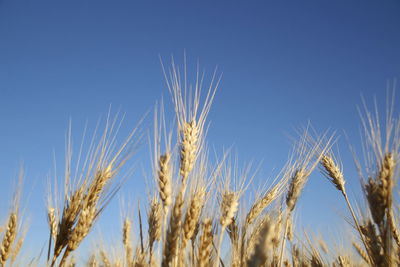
{"x": 283, "y": 64}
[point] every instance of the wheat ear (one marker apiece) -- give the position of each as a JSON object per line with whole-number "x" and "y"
{"x": 192, "y": 216}
{"x": 361, "y": 252}
{"x": 189, "y": 148}
{"x": 92, "y": 262}
{"x": 229, "y": 207}
{"x": 333, "y": 172}
{"x": 126, "y": 241}
{"x": 68, "y": 219}
{"x": 104, "y": 258}
{"x": 260, "y": 255}
{"x": 17, "y": 247}
{"x": 296, "y": 186}
{"x": 173, "y": 233}
{"x": 164, "y": 180}
{"x": 9, "y": 237}
{"x": 262, "y": 203}
{"x": 205, "y": 246}
{"x": 155, "y": 224}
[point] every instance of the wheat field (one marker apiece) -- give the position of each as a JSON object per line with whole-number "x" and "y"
{"x": 196, "y": 213}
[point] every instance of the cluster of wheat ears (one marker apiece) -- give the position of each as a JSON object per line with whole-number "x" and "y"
{"x": 196, "y": 214}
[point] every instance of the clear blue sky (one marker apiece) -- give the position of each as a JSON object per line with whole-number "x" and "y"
{"x": 283, "y": 63}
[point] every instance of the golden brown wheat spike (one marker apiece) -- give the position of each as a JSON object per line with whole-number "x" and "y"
{"x": 68, "y": 219}
{"x": 92, "y": 262}
{"x": 189, "y": 147}
{"x": 385, "y": 176}
{"x": 191, "y": 116}
{"x": 393, "y": 228}
{"x": 52, "y": 220}
{"x": 155, "y": 223}
{"x": 374, "y": 243}
{"x": 263, "y": 245}
{"x": 102, "y": 177}
{"x": 8, "y": 239}
{"x": 85, "y": 222}
{"x": 205, "y": 245}
{"x": 17, "y": 248}
{"x": 263, "y": 202}
{"x": 229, "y": 206}
{"x": 192, "y": 215}
{"x": 343, "y": 261}
{"x": 295, "y": 187}
{"x": 173, "y": 233}
{"x": 361, "y": 252}
{"x": 333, "y": 172}
{"x": 164, "y": 180}
{"x": 376, "y": 199}
{"x": 126, "y": 241}
{"x": 89, "y": 211}
{"x": 105, "y": 259}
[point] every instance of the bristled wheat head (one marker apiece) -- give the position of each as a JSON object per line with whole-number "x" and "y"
{"x": 192, "y": 215}
{"x": 9, "y": 237}
{"x": 173, "y": 233}
{"x": 88, "y": 192}
{"x": 333, "y": 172}
{"x": 126, "y": 241}
{"x": 191, "y": 115}
{"x": 205, "y": 246}
{"x": 262, "y": 203}
{"x": 164, "y": 180}
{"x": 154, "y": 222}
